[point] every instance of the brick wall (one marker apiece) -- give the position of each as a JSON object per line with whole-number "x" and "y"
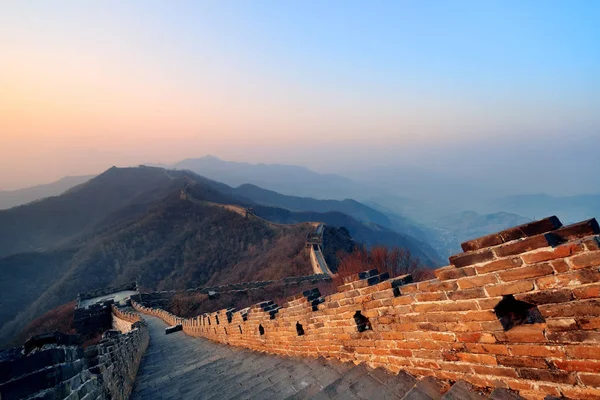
{"x": 543, "y": 339}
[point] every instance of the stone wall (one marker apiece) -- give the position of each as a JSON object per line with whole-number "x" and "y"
{"x": 124, "y": 320}
{"x": 318, "y": 261}
{"x": 53, "y": 368}
{"x": 95, "y": 318}
{"x": 106, "y": 291}
{"x": 518, "y": 309}
{"x": 243, "y": 286}
{"x": 116, "y": 360}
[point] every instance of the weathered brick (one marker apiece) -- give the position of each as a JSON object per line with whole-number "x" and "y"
{"x": 470, "y": 258}
{"x": 383, "y": 294}
{"x": 469, "y": 337}
{"x": 546, "y": 296}
{"x": 476, "y": 281}
{"x": 547, "y": 375}
{"x": 486, "y": 315}
{"x": 433, "y": 296}
{"x": 467, "y": 294}
{"x": 487, "y": 348}
{"x": 521, "y": 246}
{"x": 505, "y": 263}
{"x": 561, "y": 324}
{"x": 560, "y": 266}
{"x": 495, "y": 371}
{"x": 572, "y": 309}
{"x": 344, "y": 288}
{"x": 577, "y": 230}
{"x": 478, "y": 358}
{"x": 531, "y": 350}
{"x": 587, "y": 292}
{"x": 578, "y": 365}
{"x": 526, "y": 334}
{"x": 529, "y": 229}
{"x": 436, "y": 286}
{"x": 509, "y": 288}
{"x": 589, "y": 323}
{"x": 583, "y": 352}
{"x": 443, "y": 336}
{"x": 541, "y": 226}
{"x": 452, "y": 272}
{"x": 580, "y": 336}
{"x": 409, "y": 288}
{"x": 403, "y": 300}
{"x": 522, "y": 362}
{"x": 481, "y": 243}
{"x": 459, "y": 306}
{"x": 569, "y": 279}
{"x": 530, "y": 271}
{"x": 486, "y": 304}
{"x": 581, "y": 393}
{"x": 427, "y": 307}
{"x": 592, "y": 243}
{"x": 591, "y": 259}
{"x": 590, "y": 379}
{"x": 442, "y": 317}
{"x": 563, "y": 251}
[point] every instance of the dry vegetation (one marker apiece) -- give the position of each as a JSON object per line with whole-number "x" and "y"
{"x": 275, "y": 258}
{"x": 191, "y": 305}
{"x": 59, "y": 319}
{"x": 394, "y": 261}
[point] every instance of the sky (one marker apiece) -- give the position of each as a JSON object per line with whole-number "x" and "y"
{"x": 459, "y": 86}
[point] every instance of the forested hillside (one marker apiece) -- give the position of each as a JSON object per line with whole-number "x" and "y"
{"x": 165, "y": 230}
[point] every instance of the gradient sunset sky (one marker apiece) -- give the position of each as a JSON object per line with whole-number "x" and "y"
{"x": 85, "y": 85}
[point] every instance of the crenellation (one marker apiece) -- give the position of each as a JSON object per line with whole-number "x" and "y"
{"x": 449, "y": 327}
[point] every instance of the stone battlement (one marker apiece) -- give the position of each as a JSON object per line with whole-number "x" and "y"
{"x": 517, "y": 309}
{"x": 131, "y": 286}
{"x": 51, "y": 366}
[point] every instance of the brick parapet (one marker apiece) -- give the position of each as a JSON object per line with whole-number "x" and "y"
{"x": 448, "y": 327}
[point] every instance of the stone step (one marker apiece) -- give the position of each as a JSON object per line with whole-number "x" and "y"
{"x": 178, "y": 366}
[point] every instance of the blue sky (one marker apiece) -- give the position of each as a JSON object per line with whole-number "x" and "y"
{"x": 93, "y": 84}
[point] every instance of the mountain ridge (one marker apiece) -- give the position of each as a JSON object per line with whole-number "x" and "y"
{"x": 137, "y": 224}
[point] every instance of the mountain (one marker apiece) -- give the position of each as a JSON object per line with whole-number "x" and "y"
{"x": 18, "y": 197}
{"x": 369, "y": 234}
{"x": 37, "y": 225}
{"x": 164, "y": 229}
{"x": 138, "y": 226}
{"x": 569, "y": 208}
{"x": 287, "y": 179}
{"x": 350, "y": 207}
{"x": 378, "y": 226}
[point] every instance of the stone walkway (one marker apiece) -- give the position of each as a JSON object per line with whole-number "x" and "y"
{"x": 177, "y": 366}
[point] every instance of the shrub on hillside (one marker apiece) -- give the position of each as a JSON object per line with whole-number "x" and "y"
{"x": 395, "y": 261}
{"x": 59, "y": 319}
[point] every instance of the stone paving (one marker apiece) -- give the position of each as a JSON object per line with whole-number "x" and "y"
{"x": 177, "y": 366}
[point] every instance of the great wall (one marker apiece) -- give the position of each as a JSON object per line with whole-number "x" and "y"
{"x": 314, "y": 241}
{"x": 516, "y": 315}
